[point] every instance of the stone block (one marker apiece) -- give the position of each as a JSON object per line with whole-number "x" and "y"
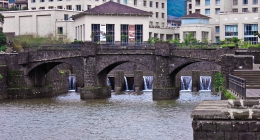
{"x": 257, "y": 135}
{"x": 196, "y": 125}
{"x": 224, "y": 126}
{"x": 208, "y": 126}
{"x": 231, "y": 135}
{"x": 254, "y": 126}
{"x": 246, "y": 135}
{"x": 215, "y": 135}
{"x": 240, "y": 126}
{"x": 199, "y": 135}
{"x": 164, "y": 93}
{"x": 23, "y": 57}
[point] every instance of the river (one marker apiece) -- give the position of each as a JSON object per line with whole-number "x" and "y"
{"x": 122, "y": 117}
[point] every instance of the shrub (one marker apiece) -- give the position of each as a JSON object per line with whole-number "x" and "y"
{"x": 228, "y": 95}
{"x": 218, "y": 82}
{"x": 2, "y": 48}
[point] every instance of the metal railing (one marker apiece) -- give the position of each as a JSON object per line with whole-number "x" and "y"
{"x": 237, "y": 85}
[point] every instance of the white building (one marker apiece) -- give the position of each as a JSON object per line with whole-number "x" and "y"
{"x": 229, "y": 18}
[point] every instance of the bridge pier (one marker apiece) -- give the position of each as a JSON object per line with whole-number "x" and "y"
{"x": 195, "y": 80}
{"x": 119, "y": 81}
{"x": 138, "y": 80}
{"x": 91, "y": 89}
{"x": 163, "y": 85}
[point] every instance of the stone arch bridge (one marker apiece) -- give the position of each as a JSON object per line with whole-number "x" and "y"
{"x": 93, "y": 62}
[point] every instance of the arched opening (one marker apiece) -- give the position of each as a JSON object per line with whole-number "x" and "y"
{"x": 59, "y": 76}
{"x": 124, "y": 73}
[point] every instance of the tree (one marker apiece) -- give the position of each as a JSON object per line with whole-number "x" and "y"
{"x": 25, "y": 8}
{"x": 218, "y": 82}
{"x": 2, "y": 19}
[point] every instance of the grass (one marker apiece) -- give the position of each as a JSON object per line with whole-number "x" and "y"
{"x": 228, "y": 95}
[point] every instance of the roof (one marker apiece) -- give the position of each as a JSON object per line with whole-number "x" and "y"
{"x": 113, "y": 8}
{"x": 173, "y": 18}
{"x": 195, "y": 15}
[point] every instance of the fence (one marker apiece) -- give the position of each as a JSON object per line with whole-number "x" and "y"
{"x": 237, "y": 85}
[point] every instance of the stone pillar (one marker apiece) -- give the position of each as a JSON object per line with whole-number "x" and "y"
{"x": 163, "y": 86}
{"x": 3, "y": 85}
{"x": 213, "y": 73}
{"x": 91, "y": 89}
{"x": 119, "y": 81}
{"x": 138, "y": 80}
{"x": 195, "y": 80}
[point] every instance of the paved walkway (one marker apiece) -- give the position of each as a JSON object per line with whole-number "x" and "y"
{"x": 253, "y": 93}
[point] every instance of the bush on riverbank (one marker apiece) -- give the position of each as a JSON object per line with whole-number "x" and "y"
{"x": 228, "y": 95}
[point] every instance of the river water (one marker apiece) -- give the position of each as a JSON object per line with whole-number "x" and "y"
{"x": 121, "y": 117}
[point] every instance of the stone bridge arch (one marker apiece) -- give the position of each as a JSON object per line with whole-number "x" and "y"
{"x": 35, "y": 71}
{"x": 105, "y": 64}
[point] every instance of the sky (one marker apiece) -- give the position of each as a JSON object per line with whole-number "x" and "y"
{"x": 176, "y": 8}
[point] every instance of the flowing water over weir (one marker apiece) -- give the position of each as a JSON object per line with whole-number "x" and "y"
{"x": 108, "y": 82}
{"x": 126, "y": 116}
{"x": 126, "y": 84}
{"x": 205, "y": 82}
{"x": 148, "y": 82}
{"x": 72, "y": 82}
{"x": 186, "y": 83}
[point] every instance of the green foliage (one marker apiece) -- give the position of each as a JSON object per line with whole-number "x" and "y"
{"x": 77, "y": 41}
{"x": 1, "y": 76}
{"x": 13, "y": 8}
{"x": 175, "y": 41}
{"x": 190, "y": 39}
{"x": 218, "y": 82}
{"x": 2, "y": 48}
{"x": 228, "y": 95}
{"x": 235, "y": 40}
{"x": 2, "y": 19}
{"x": 153, "y": 40}
{"x": 2, "y": 39}
{"x": 25, "y": 8}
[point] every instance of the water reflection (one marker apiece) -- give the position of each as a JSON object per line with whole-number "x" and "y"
{"x": 127, "y": 116}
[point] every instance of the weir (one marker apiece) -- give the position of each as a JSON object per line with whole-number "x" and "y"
{"x": 148, "y": 82}
{"x": 72, "y": 83}
{"x": 186, "y": 83}
{"x": 205, "y": 83}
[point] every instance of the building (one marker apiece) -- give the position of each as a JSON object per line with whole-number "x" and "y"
{"x": 158, "y": 7}
{"x": 229, "y": 18}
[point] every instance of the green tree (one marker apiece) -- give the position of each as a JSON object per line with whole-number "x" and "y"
{"x": 218, "y": 82}
{"x": 13, "y": 8}
{"x": 25, "y": 8}
{"x": 2, "y": 39}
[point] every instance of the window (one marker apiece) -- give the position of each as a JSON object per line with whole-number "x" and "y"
{"x": 144, "y": 2}
{"x": 255, "y": 10}
{"x": 151, "y": 23}
{"x": 41, "y": 7}
{"x": 110, "y": 33}
{"x": 217, "y": 2}
{"x": 95, "y": 32}
{"x": 156, "y": 14}
{"x": 139, "y": 33}
{"x": 235, "y": 10}
{"x": 66, "y": 17}
{"x": 50, "y": 7}
{"x": 207, "y": 11}
{"x": 255, "y": 2}
{"x": 217, "y": 11}
{"x": 231, "y": 31}
{"x": 60, "y": 30}
{"x": 162, "y": 5}
{"x": 33, "y": 1}
{"x": 89, "y": 7}
{"x": 125, "y": 1}
{"x": 41, "y": 0}
{"x": 59, "y": 7}
{"x": 78, "y": 7}
{"x": 244, "y": 10}
{"x": 197, "y": 2}
{"x": 104, "y": 0}
{"x": 162, "y": 15}
{"x": 207, "y": 2}
{"x": 249, "y": 31}
{"x": 162, "y": 24}
{"x": 197, "y": 11}
{"x": 235, "y": 2}
{"x": 185, "y": 34}
{"x": 124, "y": 34}
{"x": 118, "y": 1}
{"x": 217, "y": 29}
{"x": 217, "y": 39}
{"x": 156, "y": 5}
{"x": 33, "y": 8}
{"x": 205, "y": 36}
{"x": 59, "y": 0}
{"x": 50, "y": 0}
{"x": 69, "y": 7}
{"x": 245, "y": 2}
{"x": 177, "y": 36}
{"x": 135, "y": 2}
{"x": 151, "y": 4}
